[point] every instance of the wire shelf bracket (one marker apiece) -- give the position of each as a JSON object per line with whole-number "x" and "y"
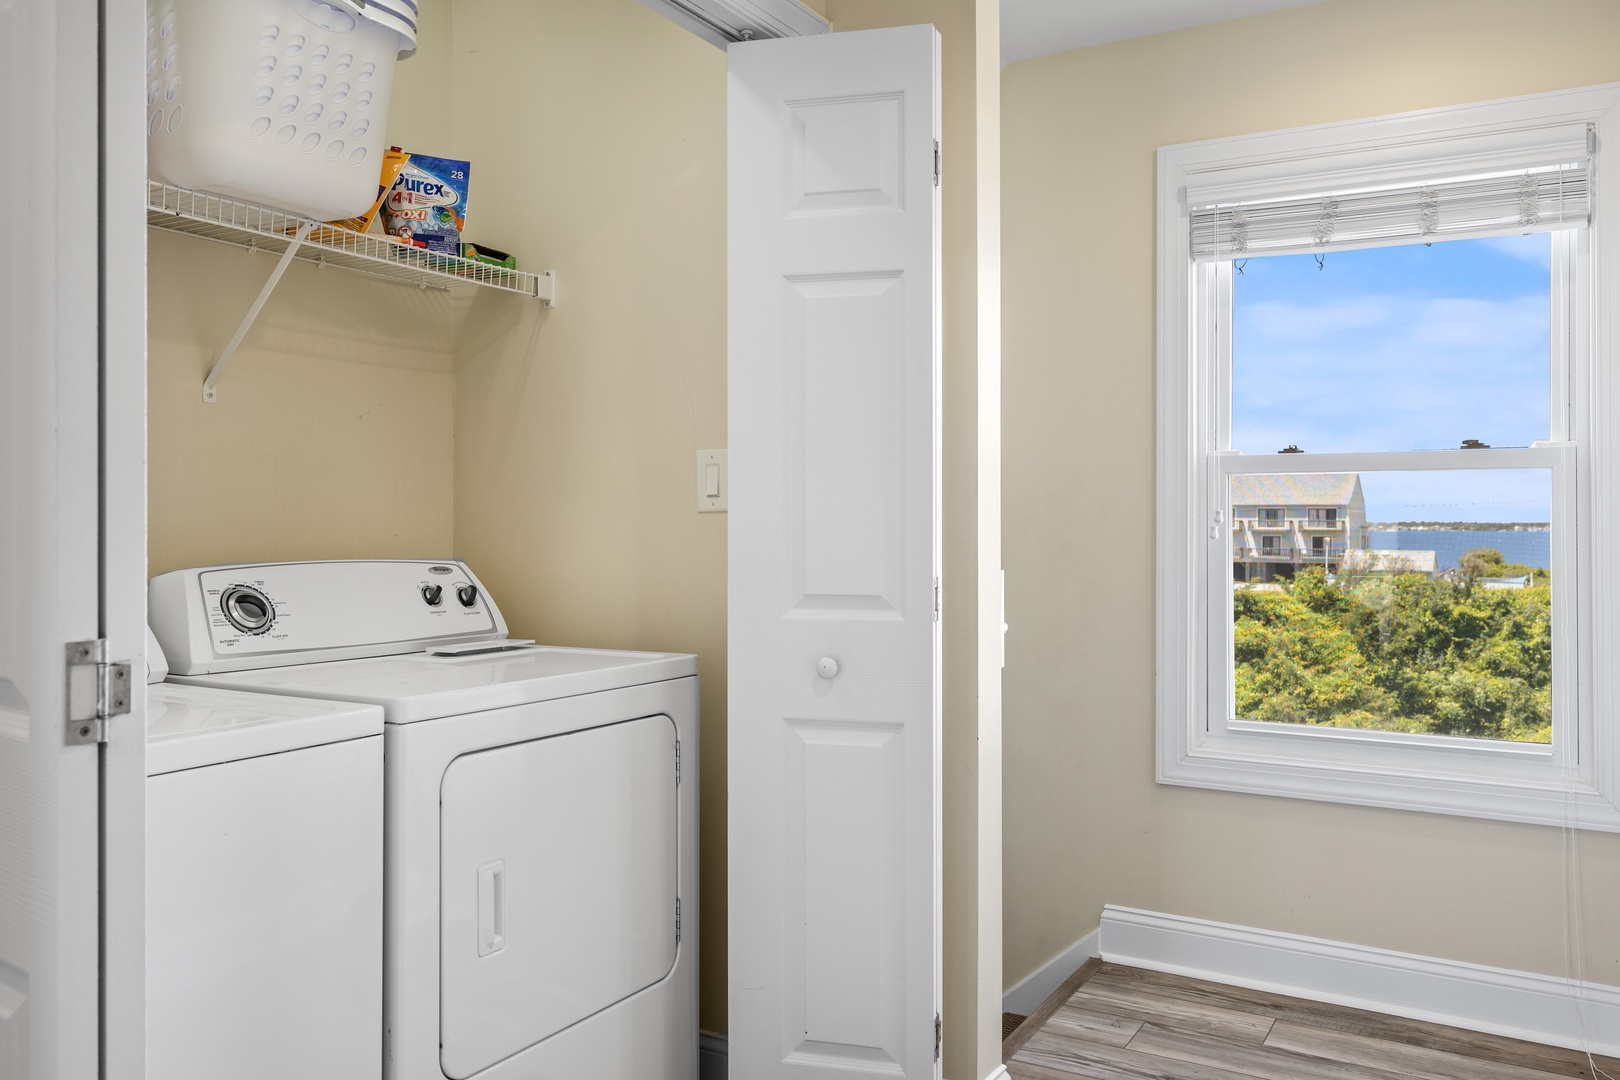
{"x": 259, "y": 228}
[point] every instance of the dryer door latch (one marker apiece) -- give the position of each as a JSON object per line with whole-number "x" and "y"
{"x": 96, "y": 691}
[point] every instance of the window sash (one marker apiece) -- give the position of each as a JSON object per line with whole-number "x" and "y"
{"x": 1399, "y": 751}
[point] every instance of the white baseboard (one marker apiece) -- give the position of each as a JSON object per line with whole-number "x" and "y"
{"x": 1519, "y": 1004}
{"x": 713, "y": 1057}
{"x": 1026, "y": 995}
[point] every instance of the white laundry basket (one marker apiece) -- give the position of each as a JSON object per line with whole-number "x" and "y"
{"x": 282, "y": 102}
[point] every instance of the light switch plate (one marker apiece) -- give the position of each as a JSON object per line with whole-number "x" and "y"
{"x": 715, "y": 480}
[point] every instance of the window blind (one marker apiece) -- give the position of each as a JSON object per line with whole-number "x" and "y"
{"x": 1525, "y": 200}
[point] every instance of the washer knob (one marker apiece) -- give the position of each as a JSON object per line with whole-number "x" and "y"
{"x": 433, "y": 594}
{"x": 247, "y": 609}
{"x": 467, "y": 594}
{"x": 826, "y": 667}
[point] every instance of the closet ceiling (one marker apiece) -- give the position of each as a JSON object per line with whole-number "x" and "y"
{"x": 1037, "y": 27}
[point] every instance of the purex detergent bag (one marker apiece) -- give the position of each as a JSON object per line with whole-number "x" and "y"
{"x": 426, "y": 206}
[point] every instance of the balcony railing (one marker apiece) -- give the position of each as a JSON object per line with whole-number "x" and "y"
{"x": 1284, "y": 524}
{"x": 1328, "y": 553}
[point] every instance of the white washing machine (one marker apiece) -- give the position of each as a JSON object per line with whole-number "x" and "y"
{"x": 540, "y": 811}
{"x": 264, "y": 883}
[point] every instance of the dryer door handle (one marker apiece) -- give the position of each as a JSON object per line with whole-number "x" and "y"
{"x": 492, "y": 907}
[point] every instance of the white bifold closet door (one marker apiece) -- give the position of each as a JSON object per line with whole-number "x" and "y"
{"x": 50, "y": 550}
{"x": 833, "y": 738}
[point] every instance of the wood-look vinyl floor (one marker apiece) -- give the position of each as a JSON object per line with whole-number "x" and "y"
{"x": 1111, "y": 1022}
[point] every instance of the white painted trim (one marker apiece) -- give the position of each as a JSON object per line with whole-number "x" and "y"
{"x": 1518, "y": 1004}
{"x": 1026, "y": 995}
{"x": 1505, "y": 133}
{"x": 714, "y": 1061}
{"x": 123, "y": 533}
{"x": 1196, "y": 747}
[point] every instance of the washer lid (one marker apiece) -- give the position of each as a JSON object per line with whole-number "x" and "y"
{"x": 191, "y": 726}
{"x": 425, "y": 687}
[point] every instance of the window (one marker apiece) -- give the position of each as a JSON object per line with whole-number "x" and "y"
{"x": 1376, "y": 356}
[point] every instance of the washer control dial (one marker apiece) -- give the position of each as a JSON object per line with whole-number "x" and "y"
{"x": 467, "y": 594}
{"x": 433, "y": 594}
{"x": 247, "y": 609}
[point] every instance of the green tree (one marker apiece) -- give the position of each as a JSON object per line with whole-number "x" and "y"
{"x": 1296, "y": 659}
{"x": 1398, "y": 652}
{"x": 1479, "y": 563}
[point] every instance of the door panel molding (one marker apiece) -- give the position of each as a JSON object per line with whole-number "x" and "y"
{"x": 833, "y": 384}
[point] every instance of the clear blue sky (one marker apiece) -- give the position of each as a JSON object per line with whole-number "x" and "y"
{"x": 1401, "y": 348}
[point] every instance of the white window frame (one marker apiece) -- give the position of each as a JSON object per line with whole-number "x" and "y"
{"x": 1576, "y": 781}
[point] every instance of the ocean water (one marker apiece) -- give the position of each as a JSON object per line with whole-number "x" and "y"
{"x": 1529, "y": 547}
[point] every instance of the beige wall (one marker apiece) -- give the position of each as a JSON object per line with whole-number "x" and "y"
{"x": 331, "y": 437}
{"x": 1086, "y": 825}
{"x": 597, "y": 136}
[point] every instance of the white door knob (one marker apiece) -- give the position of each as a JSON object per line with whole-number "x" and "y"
{"x": 826, "y": 667}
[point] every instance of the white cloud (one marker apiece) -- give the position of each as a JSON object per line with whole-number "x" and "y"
{"x": 1534, "y": 248}
{"x": 1428, "y": 375}
{"x": 1295, "y": 322}
{"x": 1483, "y": 324}
{"x": 1383, "y": 370}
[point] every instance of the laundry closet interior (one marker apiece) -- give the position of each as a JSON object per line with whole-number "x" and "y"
{"x": 551, "y": 448}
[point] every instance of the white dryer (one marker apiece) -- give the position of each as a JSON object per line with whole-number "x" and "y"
{"x": 264, "y": 879}
{"x": 540, "y": 811}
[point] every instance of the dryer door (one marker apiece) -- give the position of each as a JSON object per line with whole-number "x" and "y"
{"x": 558, "y": 887}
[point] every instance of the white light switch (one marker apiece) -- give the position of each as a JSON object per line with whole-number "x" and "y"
{"x": 711, "y": 481}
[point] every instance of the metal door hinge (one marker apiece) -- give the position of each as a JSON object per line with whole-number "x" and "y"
{"x": 938, "y": 1035}
{"x": 936, "y": 599}
{"x": 96, "y": 691}
{"x": 677, "y": 920}
{"x": 677, "y": 763}
{"x": 936, "y": 163}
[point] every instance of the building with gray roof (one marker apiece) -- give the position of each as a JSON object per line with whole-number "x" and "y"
{"x": 1284, "y": 522}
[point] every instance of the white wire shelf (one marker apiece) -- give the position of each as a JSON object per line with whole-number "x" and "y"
{"x": 292, "y": 236}
{"x": 214, "y": 217}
